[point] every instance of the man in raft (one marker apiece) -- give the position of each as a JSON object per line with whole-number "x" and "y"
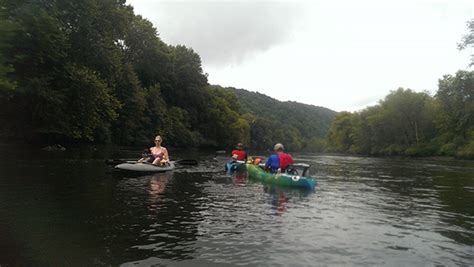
{"x": 279, "y": 161}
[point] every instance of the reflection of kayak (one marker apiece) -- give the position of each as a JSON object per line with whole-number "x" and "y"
{"x": 234, "y": 166}
{"x": 144, "y": 167}
{"x": 283, "y": 179}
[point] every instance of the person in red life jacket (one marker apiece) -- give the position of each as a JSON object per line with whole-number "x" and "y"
{"x": 239, "y": 153}
{"x": 279, "y": 161}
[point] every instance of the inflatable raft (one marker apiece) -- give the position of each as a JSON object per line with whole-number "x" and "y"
{"x": 282, "y": 179}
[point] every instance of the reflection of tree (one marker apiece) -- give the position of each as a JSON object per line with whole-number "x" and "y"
{"x": 456, "y": 198}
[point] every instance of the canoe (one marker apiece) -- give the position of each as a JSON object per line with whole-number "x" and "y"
{"x": 282, "y": 179}
{"x": 144, "y": 167}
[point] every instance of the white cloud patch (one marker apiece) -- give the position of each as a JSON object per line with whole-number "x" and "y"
{"x": 224, "y": 32}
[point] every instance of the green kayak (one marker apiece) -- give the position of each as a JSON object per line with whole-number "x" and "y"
{"x": 283, "y": 179}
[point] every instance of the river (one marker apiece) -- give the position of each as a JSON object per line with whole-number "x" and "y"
{"x": 70, "y": 209}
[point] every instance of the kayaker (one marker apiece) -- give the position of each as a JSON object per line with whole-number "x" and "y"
{"x": 158, "y": 154}
{"x": 239, "y": 153}
{"x": 279, "y": 161}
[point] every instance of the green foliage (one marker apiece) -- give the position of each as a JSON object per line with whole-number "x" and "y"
{"x": 466, "y": 151}
{"x": 468, "y": 39}
{"x": 296, "y": 125}
{"x": 412, "y": 124}
{"x": 340, "y": 133}
{"x": 89, "y": 107}
{"x": 401, "y": 124}
{"x": 94, "y": 71}
{"x": 455, "y": 117}
{"x": 7, "y": 30}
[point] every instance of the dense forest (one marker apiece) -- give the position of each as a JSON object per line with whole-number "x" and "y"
{"x": 298, "y": 126}
{"x": 93, "y": 71}
{"x": 411, "y": 123}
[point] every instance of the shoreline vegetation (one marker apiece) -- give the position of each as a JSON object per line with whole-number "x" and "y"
{"x": 94, "y": 72}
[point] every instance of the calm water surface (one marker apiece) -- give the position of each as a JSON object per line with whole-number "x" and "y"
{"x": 71, "y": 209}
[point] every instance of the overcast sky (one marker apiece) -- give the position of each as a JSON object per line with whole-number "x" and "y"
{"x": 340, "y": 54}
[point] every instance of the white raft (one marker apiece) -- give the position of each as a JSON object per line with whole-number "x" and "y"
{"x": 144, "y": 167}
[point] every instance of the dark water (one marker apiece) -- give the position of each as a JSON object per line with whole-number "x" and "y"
{"x": 70, "y": 209}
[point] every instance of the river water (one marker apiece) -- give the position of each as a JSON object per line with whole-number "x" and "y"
{"x": 71, "y": 209}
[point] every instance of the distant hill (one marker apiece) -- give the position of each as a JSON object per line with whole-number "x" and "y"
{"x": 310, "y": 120}
{"x": 300, "y": 125}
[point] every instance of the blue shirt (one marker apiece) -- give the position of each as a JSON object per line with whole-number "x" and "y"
{"x": 273, "y": 162}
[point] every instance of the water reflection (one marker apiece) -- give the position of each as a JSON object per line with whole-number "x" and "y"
{"x": 279, "y": 196}
{"x": 157, "y": 185}
{"x": 168, "y": 227}
{"x": 278, "y": 199}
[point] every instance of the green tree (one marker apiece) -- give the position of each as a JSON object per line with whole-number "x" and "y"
{"x": 340, "y": 133}
{"x": 468, "y": 39}
{"x": 455, "y": 117}
{"x": 89, "y": 106}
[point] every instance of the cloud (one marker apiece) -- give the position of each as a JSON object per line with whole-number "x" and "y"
{"x": 224, "y": 33}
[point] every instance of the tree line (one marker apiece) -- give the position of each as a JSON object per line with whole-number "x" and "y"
{"x": 299, "y": 126}
{"x": 414, "y": 124}
{"x": 93, "y": 71}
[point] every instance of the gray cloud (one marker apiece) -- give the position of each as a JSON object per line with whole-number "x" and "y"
{"x": 224, "y": 32}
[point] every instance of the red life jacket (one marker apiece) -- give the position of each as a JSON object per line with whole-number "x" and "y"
{"x": 241, "y": 155}
{"x": 285, "y": 160}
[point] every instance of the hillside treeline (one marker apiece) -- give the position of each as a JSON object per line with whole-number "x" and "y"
{"x": 299, "y": 126}
{"x": 414, "y": 124}
{"x": 411, "y": 123}
{"x": 93, "y": 71}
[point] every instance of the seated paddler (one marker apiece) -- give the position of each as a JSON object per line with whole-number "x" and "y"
{"x": 279, "y": 160}
{"x": 157, "y": 155}
{"x": 239, "y": 153}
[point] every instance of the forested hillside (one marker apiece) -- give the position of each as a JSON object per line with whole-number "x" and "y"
{"x": 93, "y": 71}
{"x": 298, "y": 125}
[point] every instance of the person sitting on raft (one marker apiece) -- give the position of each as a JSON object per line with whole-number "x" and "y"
{"x": 279, "y": 161}
{"x": 158, "y": 154}
{"x": 239, "y": 153}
